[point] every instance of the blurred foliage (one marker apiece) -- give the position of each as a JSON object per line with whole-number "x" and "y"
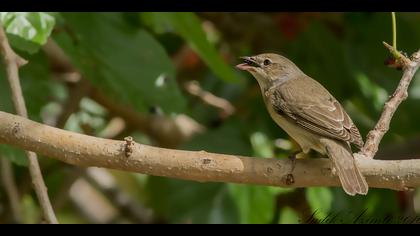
{"x": 188, "y": 26}
{"x": 320, "y": 199}
{"x": 141, "y": 61}
{"x": 288, "y": 216}
{"x": 125, "y": 62}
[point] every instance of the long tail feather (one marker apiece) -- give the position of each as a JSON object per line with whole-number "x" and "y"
{"x": 351, "y": 178}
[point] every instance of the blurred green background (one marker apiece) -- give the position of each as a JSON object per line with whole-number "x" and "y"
{"x": 168, "y": 80}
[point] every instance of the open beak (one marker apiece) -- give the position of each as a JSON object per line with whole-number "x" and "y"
{"x": 249, "y": 64}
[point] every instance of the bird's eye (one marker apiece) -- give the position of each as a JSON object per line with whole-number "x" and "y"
{"x": 267, "y": 62}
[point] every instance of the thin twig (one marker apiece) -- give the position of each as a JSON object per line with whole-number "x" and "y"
{"x": 193, "y": 87}
{"x": 82, "y": 150}
{"x": 9, "y": 184}
{"x": 375, "y": 136}
{"x": 91, "y": 204}
{"x": 12, "y": 62}
{"x": 106, "y": 183}
{"x": 401, "y": 59}
{"x": 58, "y": 59}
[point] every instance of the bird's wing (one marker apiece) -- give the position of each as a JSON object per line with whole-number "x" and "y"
{"x": 311, "y": 106}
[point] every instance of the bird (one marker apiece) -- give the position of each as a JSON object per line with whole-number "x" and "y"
{"x": 309, "y": 114}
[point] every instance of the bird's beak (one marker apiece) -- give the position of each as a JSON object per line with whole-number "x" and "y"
{"x": 249, "y": 64}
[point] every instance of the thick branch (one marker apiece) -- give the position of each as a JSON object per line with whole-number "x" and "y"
{"x": 12, "y": 62}
{"x": 83, "y": 150}
{"x": 375, "y": 136}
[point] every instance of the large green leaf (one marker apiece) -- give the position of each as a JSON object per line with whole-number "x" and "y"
{"x": 188, "y": 26}
{"x": 127, "y": 63}
{"x": 27, "y": 30}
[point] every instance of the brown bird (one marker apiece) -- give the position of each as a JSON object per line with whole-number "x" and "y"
{"x": 309, "y": 114}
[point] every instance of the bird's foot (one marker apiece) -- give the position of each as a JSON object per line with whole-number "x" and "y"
{"x": 293, "y": 158}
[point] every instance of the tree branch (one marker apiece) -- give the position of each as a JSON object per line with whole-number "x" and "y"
{"x": 83, "y": 150}
{"x": 193, "y": 87}
{"x": 9, "y": 184}
{"x": 92, "y": 204}
{"x": 12, "y": 62}
{"x": 375, "y": 136}
{"x": 106, "y": 183}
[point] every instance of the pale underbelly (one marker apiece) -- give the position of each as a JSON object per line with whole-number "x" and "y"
{"x": 303, "y": 137}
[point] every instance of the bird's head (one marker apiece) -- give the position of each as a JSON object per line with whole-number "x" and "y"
{"x": 269, "y": 68}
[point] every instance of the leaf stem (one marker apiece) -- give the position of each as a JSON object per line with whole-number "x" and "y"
{"x": 394, "y": 34}
{"x": 394, "y": 30}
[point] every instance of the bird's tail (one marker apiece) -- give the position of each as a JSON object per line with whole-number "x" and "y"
{"x": 351, "y": 179}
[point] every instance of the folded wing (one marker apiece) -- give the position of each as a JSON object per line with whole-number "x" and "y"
{"x": 311, "y": 106}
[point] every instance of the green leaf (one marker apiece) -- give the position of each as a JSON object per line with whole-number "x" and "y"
{"x": 190, "y": 202}
{"x": 128, "y": 64}
{"x": 320, "y": 200}
{"x": 27, "y": 30}
{"x": 188, "y": 26}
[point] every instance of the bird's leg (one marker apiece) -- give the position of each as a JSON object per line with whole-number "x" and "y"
{"x": 293, "y": 158}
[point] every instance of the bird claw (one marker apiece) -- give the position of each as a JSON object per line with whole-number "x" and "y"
{"x": 293, "y": 158}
